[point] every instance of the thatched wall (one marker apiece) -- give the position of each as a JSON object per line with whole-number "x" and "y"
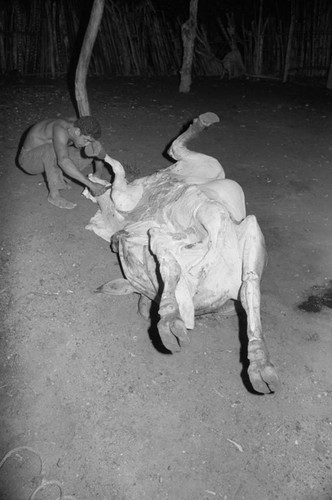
{"x": 43, "y": 37}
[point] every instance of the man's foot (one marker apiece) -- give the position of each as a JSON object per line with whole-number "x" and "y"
{"x": 61, "y": 202}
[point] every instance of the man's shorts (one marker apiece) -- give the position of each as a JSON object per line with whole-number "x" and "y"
{"x": 41, "y": 158}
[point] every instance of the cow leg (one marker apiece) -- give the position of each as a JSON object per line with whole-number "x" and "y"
{"x": 144, "y": 306}
{"x": 171, "y": 327}
{"x": 261, "y": 372}
{"x": 178, "y": 149}
{"x": 145, "y": 303}
{"x": 191, "y": 167}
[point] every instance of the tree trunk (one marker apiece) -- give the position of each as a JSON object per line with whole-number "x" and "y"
{"x": 259, "y": 42}
{"x": 85, "y": 55}
{"x": 289, "y": 44}
{"x": 188, "y": 32}
{"x": 329, "y": 78}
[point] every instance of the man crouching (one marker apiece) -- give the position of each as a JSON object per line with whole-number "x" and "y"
{"x": 54, "y": 147}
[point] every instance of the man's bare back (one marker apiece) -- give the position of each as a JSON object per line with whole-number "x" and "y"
{"x": 54, "y": 146}
{"x": 42, "y": 132}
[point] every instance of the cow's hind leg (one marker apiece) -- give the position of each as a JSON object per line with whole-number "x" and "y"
{"x": 261, "y": 372}
{"x": 171, "y": 327}
{"x": 178, "y": 149}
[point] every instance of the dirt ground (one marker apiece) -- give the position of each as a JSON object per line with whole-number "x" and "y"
{"x": 90, "y": 409}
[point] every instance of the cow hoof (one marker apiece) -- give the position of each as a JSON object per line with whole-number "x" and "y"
{"x": 179, "y": 330}
{"x": 172, "y": 333}
{"x": 263, "y": 377}
{"x": 208, "y": 119}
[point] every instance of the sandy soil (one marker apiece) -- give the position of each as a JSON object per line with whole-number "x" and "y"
{"x": 90, "y": 408}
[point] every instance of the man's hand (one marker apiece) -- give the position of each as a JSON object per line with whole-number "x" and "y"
{"x": 98, "y": 189}
{"x": 95, "y": 149}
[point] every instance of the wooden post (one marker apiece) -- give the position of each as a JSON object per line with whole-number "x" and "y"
{"x": 289, "y": 44}
{"x": 259, "y": 42}
{"x": 329, "y": 78}
{"x": 85, "y": 55}
{"x": 188, "y": 32}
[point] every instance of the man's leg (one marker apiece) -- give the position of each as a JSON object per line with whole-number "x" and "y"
{"x": 80, "y": 162}
{"x": 32, "y": 161}
{"x": 42, "y": 159}
{"x": 55, "y": 180}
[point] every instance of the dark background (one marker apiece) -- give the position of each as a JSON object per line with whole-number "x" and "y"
{"x": 42, "y": 38}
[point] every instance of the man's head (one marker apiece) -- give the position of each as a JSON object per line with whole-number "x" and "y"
{"x": 89, "y": 126}
{"x": 84, "y": 131}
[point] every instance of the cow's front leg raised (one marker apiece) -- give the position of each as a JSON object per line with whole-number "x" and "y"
{"x": 261, "y": 372}
{"x": 171, "y": 327}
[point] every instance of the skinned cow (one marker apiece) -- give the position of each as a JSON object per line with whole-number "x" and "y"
{"x": 184, "y": 241}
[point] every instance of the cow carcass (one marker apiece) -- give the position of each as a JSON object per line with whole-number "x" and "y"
{"x": 184, "y": 242}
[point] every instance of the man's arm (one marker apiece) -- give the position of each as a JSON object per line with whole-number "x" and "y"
{"x": 99, "y": 165}
{"x": 96, "y": 150}
{"x": 60, "y": 143}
